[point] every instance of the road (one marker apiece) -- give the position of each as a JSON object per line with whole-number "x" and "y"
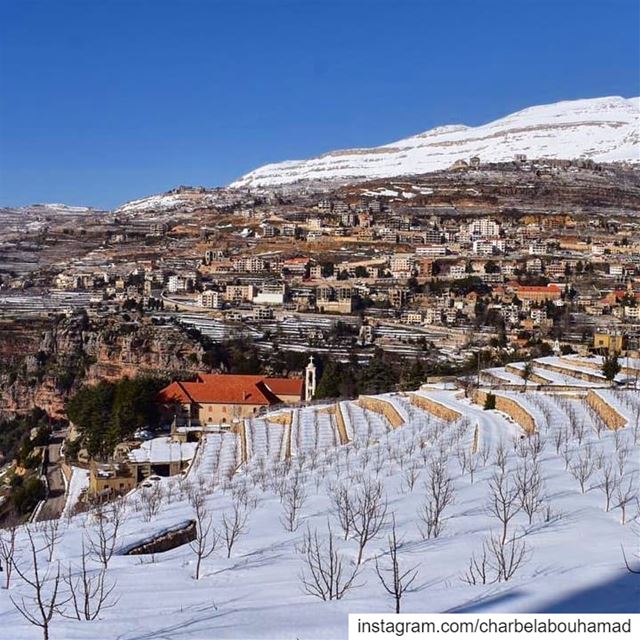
{"x": 54, "y": 505}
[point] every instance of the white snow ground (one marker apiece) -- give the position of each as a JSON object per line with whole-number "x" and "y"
{"x": 574, "y": 561}
{"x": 78, "y": 483}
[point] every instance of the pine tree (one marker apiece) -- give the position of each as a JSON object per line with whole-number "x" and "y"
{"x": 610, "y": 365}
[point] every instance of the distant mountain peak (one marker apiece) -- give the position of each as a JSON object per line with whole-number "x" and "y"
{"x": 601, "y": 129}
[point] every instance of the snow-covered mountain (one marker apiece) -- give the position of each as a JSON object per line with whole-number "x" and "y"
{"x": 602, "y": 129}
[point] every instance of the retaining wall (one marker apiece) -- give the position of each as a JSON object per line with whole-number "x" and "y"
{"x": 382, "y": 407}
{"x": 609, "y": 415}
{"x": 435, "y": 408}
{"x": 512, "y": 408}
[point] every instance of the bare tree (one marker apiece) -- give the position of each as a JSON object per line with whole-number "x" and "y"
{"x": 342, "y": 507}
{"x": 152, "y": 501}
{"x": 104, "y": 537}
{"x": 528, "y": 481}
{"x": 242, "y": 494}
{"x": 566, "y": 455}
{"x": 578, "y": 428}
{"x": 599, "y": 424}
{"x": 521, "y": 447}
{"x": 51, "y": 534}
{"x": 378, "y": 461}
{"x": 368, "y": 514}
{"x": 536, "y": 443}
{"x": 40, "y": 606}
{"x": 234, "y": 525}
{"x": 294, "y": 498}
{"x": 627, "y": 563}
{"x": 89, "y": 591}
{"x": 485, "y": 453}
{"x": 559, "y": 439}
{"x": 504, "y": 501}
{"x": 622, "y": 454}
{"x": 477, "y": 571}
{"x": 626, "y": 492}
{"x": 472, "y": 465}
{"x": 635, "y": 427}
{"x": 500, "y": 457}
{"x": 609, "y": 484}
{"x": 410, "y": 475}
{"x": 395, "y": 580}
{"x": 583, "y": 468}
{"x": 439, "y": 495}
{"x": 206, "y": 537}
{"x": 7, "y": 551}
{"x": 463, "y": 459}
{"x": 326, "y": 577}
{"x": 506, "y": 556}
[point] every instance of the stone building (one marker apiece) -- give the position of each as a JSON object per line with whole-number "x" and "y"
{"x": 224, "y": 400}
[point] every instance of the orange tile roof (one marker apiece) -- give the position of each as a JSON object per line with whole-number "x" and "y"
{"x": 285, "y": 386}
{"x": 173, "y": 393}
{"x": 231, "y": 389}
{"x": 554, "y": 288}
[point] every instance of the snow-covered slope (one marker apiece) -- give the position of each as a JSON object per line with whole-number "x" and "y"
{"x": 573, "y": 541}
{"x": 603, "y": 129}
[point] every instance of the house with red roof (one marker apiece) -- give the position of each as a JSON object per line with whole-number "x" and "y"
{"x": 225, "y": 399}
{"x": 535, "y": 293}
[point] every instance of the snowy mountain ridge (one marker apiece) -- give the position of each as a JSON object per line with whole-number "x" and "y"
{"x": 601, "y": 129}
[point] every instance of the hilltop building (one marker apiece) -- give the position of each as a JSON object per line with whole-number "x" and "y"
{"x": 224, "y": 399}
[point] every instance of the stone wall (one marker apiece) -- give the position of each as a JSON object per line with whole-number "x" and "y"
{"x": 340, "y": 423}
{"x": 609, "y": 415}
{"x": 534, "y": 377}
{"x": 165, "y": 541}
{"x": 512, "y": 408}
{"x": 434, "y": 408}
{"x": 596, "y": 366}
{"x": 574, "y": 373}
{"x": 382, "y": 407}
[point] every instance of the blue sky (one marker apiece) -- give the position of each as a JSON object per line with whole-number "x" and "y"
{"x": 102, "y": 101}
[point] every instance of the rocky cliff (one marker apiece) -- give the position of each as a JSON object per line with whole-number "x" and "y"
{"x": 43, "y": 361}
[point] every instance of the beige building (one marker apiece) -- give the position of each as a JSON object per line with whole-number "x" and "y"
{"x": 224, "y": 400}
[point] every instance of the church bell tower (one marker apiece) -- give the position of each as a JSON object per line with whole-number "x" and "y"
{"x": 310, "y": 380}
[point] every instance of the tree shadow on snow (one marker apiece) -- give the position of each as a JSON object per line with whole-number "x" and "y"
{"x": 619, "y": 595}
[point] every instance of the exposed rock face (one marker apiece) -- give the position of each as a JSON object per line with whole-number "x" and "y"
{"x": 166, "y": 541}
{"x": 43, "y": 361}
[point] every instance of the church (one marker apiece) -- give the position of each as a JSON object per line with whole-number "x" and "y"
{"x": 226, "y": 399}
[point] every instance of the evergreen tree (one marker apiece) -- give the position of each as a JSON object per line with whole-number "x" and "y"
{"x": 414, "y": 376}
{"x": 610, "y": 366}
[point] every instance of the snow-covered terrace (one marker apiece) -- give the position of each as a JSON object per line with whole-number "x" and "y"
{"x": 159, "y": 450}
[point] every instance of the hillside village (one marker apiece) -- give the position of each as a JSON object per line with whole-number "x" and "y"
{"x": 439, "y": 275}
{"x": 186, "y": 360}
{"x": 393, "y": 263}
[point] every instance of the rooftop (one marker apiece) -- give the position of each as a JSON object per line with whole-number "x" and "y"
{"x": 232, "y": 389}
